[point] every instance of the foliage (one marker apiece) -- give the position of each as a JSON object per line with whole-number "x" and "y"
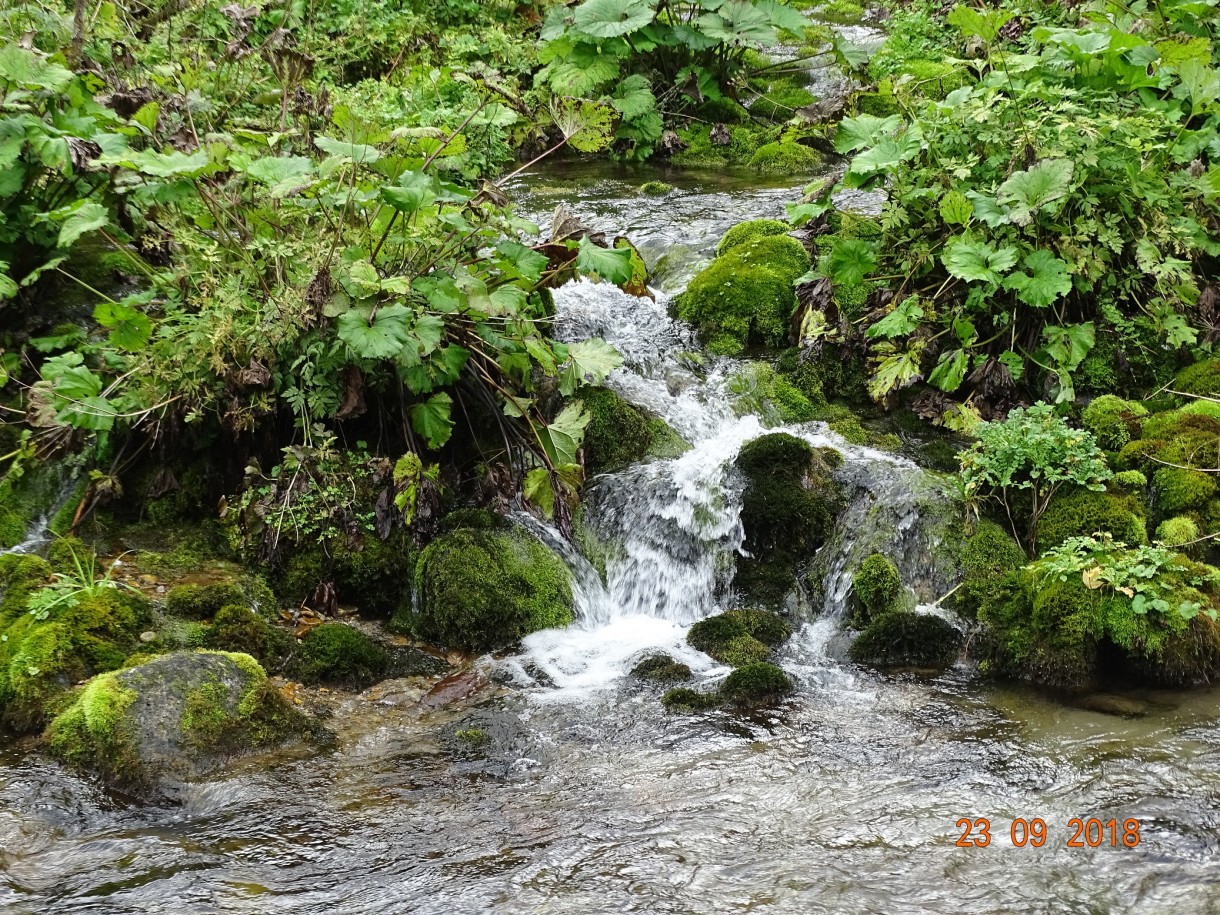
{"x": 79, "y": 583}
{"x": 1033, "y": 450}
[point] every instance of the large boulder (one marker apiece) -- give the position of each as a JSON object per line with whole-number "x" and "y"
{"x": 175, "y": 717}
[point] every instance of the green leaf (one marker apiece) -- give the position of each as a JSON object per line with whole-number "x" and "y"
{"x": 433, "y": 419}
{"x": 976, "y": 261}
{"x": 1014, "y": 362}
{"x": 159, "y": 165}
{"x": 564, "y": 435}
{"x": 977, "y": 24}
{"x": 950, "y": 371}
{"x": 1029, "y": 191}
{"x": 31, "y": 70}
{"x": 900, "y": 322}
{"x": 956, "y": 208}
{"x": 851, "y": 260}
{"x": 589, "y": 362}
{"x": 894, "y": 373}
{"x": 783, "y": 17}
{"x": 586, "y": 126}
{"x": 1046, "y": 282}
{"x": 737, "y": 22}
{"x": 611, "y": 18}
{"x": 529, "y": 263}
{"x": 283, "y": 174}
{"x": 633, "y": 98}
{"x": 8, "y": 287}
{"x": 538, "y": 489}
{"x": 129, "y": 327}
{"x": 612, "y": 265}
{"x": 801, "y": 213}
{"x": 88, "y": 217}
{"x": 360, "y": 153}
{"x": 864, "y": 131}
{"x": 885, "y": 157}
{"x": 414, "y": 191}
{"x": 383, "y": 338}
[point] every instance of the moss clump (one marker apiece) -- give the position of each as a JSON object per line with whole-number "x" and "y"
{"x": 655, "y": 188}
{"x": 727, "y": 640}
{"x": 989, "y": 556}
{"x": 1113, "y": 421}
{"x": 763, "y": 625}
{"x": 1129, "y": 481}
{"x": 1177, "y": 531}
{"x": 935, "y": 78}
{"x": 1201, "y": 379}
{"x": 238, "y": 628}
{"x": 662, "y": 669}
{"x": 905, "y": 639}
{"x": 684, "y": 699}
{"x": 785, "y": 157}
{"x": 788, "y": 510}
{"x": 482, "y": 590}
{"x": 803, "y": 373}
{"x": 733, "y": 303}
{"x": 95, "y": 730}
{"x": 756, "y": 684}
{"x": 1177, "y": 490}
{"x": 1082, "y": 512}
{"x": 750, "y": 231}
{"x": 758, "y": 389}
{"x": 743, "y": 139}
{"x": 337, "y": 652}
{"x": 202, "y": 602}
{"x": 780, "y": 101}
{"x": 876, "y": 587}
{"x": 619, "y": 434}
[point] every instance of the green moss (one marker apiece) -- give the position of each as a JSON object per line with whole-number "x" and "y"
{"x": 727, "y": 640}
{"x": 732, "y": 304}
{"x": 780, "y": 101}
{"x": 655, "y": 188}
{"x": 620, "y": 434}
{"x": 337, "y": 652}
{"x": 757, "y": 389}
{"x": 701, "y": 150}
{"x": 13, "y": 525}
{"x": 94, "y": 729}
{"x": 804, "y": 375}
{"x": 202, "y": 602}
{"x": 1082, "y": 512}
{"x": 750, "y": 231}
{"x": 1113, "y": 421}
{"x": 785, "y": 157}
{"x": 905, "y": 639}
{"x": 1129, "y": 481}
{"x": 763, "y": 625}
{"x": 788, "y": 509}
{"x": 662, "y": 669}
{"x": 988, "y": 557}
{"x": 1201, "y": 379}
{"x": 684, "y": 699}
{"x": 486, "y": 589}
{"x": 934, "y": 78}
{"x": 1177, "y": 490}
{"x": 238, "y": 628}
{"x": 1177, "y": 531}
{"x": 876, "y": 587}
{"x": 782, "y": 254}
{"x": 756, "y": 684}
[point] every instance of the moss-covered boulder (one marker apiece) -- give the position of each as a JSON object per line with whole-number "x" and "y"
{"x": 371, "y": 573}
{"x": 761, "y": 683}
{"x": 338, "y": 653}
{"x": 619, "y": 433}
{"x": 749, "y": 231}
{"x": 661, "y": 668}
{"x": 746, "y": 296}
{"x": 876, "y": 587}
{"x": 727, "y": 641}
{"x": 484, "y": 589}
{"x": 1177, "y": 489}
{"x": 1113, "y": 421}
{"x": 1064, "y": 634}
{"x": 904, "y": 639}
{"x": 685, "y": 699}
{"x": 786, "y": 157}
{"x": 175, "y": 717}
{"x": 1201, "y": 379}
{"x": 1178, "y": 531}
{"x": 202, "y": 602}
{"x": 91, "y": 632}
{"x": 1082, "y": 512}
{"x": 788, "y": 509}
{"x": 655, "y": 188}
{"x": 989, "y": 555}
{"x": 238, "y": 628}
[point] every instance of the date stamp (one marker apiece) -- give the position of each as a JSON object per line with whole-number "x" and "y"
{"x": 976, "y": 832}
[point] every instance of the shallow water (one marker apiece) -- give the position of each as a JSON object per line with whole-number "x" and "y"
{"x": 585, "y": 797}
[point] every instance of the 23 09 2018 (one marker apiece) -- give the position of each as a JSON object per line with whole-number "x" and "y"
{"x": 1091, "y": 832}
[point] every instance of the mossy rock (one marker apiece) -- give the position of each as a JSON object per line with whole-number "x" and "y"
{"x": 763, "y": 625}
{"x": 1177, "y": 490}
{"x": 1082, "y": 513}
{"x": 750, "y": 231}
{"x": 758, "y": 389}
{"x": 202, "y": 602}
{"x": 786, "y": 157}
{"x": 655, "y": 188}
{"x": 875, "y": 588}
{"x": 804, "y": 375}
{"x": 788, "y": 510}
{"x": 726, "y": 639}
{"x": 1178, "y": 531}
{"x": 685, "y": 699}
{"x": 744, "y": 140}
{"x": 762, "y": 683}
{"x": 175, "y": 717}
{"x": 40, "y": 660}
{"x": 902, "y": 639}
{"x": 370, "y": 572}
{"x": 732, "y": 304}
{"x": 779, "y": 102}
{"x": 620, "y": 434}
{"x": 989, "y": 555}
{"x": 1113, "y": 421}
{"x": 661, "y": 668}
{"x": 1201, "y": 379}
{"x": 338, "y": 653}
{"x": 482, "y": 590}
{"x": 238, "y": 628}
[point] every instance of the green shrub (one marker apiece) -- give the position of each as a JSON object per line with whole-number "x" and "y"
{"x": 756, "y": 684}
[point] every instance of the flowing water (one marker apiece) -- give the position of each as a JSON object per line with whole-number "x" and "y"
{"x": 582, "y": 796}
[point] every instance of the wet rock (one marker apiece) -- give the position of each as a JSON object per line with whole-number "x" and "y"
{"x": 1111, "y": 704}
{"x": 179, "y": 716}
{"x": 661, "y": 668}
{"x": 454, "y": 689}
{"x": 900, "y": 639}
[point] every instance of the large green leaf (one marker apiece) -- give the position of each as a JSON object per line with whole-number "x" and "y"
{"x": 851, "y": 260}
{"x": 633, "y": 98}
{"x": 564, "y": 435}
{"x": 783, "y": 17}
{"x": 413, "y": 191}
{"x": 972, "y": 260}
{"x": 8, "y": 286}
{"x": 611, "y": 18}
{"x": 894, "y": 373}
{"x": 433, "y": 419}
{"x": 88, "y": 217}
{"x": 589, "y": 362}
{"x": 360, "y": 153}
{"x": 172, "y": 164}
{"x": 950, "y": 370}
{"x": 900, "y": 322}
{"x": 864, "y": 130}
{"x": 382, "y": 338}
{"x": 1046, "y": 281}
{"x": 31, "y": 70}
{"x": 612, "y": 265}
{"x": 975, "y": 23}
{"x": 129, "y": 327}
{"x": 1027, "y": 192}
{"x": 737, "y": 22}
{"x": 538, "y": 489}
{"x": 283, "y": 174}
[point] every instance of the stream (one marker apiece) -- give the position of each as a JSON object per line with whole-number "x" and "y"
{"x": 583, "y": 796}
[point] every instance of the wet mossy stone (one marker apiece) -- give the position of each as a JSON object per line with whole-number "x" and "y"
{"x": 335, "y": 652}
{"x": 238, "y": 628}
{"x": 786, "y": 157}
{"x": 620, "y": 434}
{"x": 989, "y": 555}
{"x": 750, "y": 231}
{"x": 655, "y": 188}
{"x": 903, "y": 639}
{"x": 876, "y": 587}
{"x": 178, "y": 716}
{"x": 1113, "y": 421}
{"x": 789, "y": 506}
{"x": 1177, "y": 531}
{"x": 372, "y": 573}
{"x": 661, "y": 668}
{"x": 1201, "y": 379}
{"x": 202, "y": 602}
{"x": 685, "y": 699}
{"x": 1082, "y": 513}
{"x": 485, "y": 589}
{"x": 1176, "y": 489}
{"x": 763, "y": 625}
{"x": 729, "y": 637}
{"x": 756, "y": 684}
